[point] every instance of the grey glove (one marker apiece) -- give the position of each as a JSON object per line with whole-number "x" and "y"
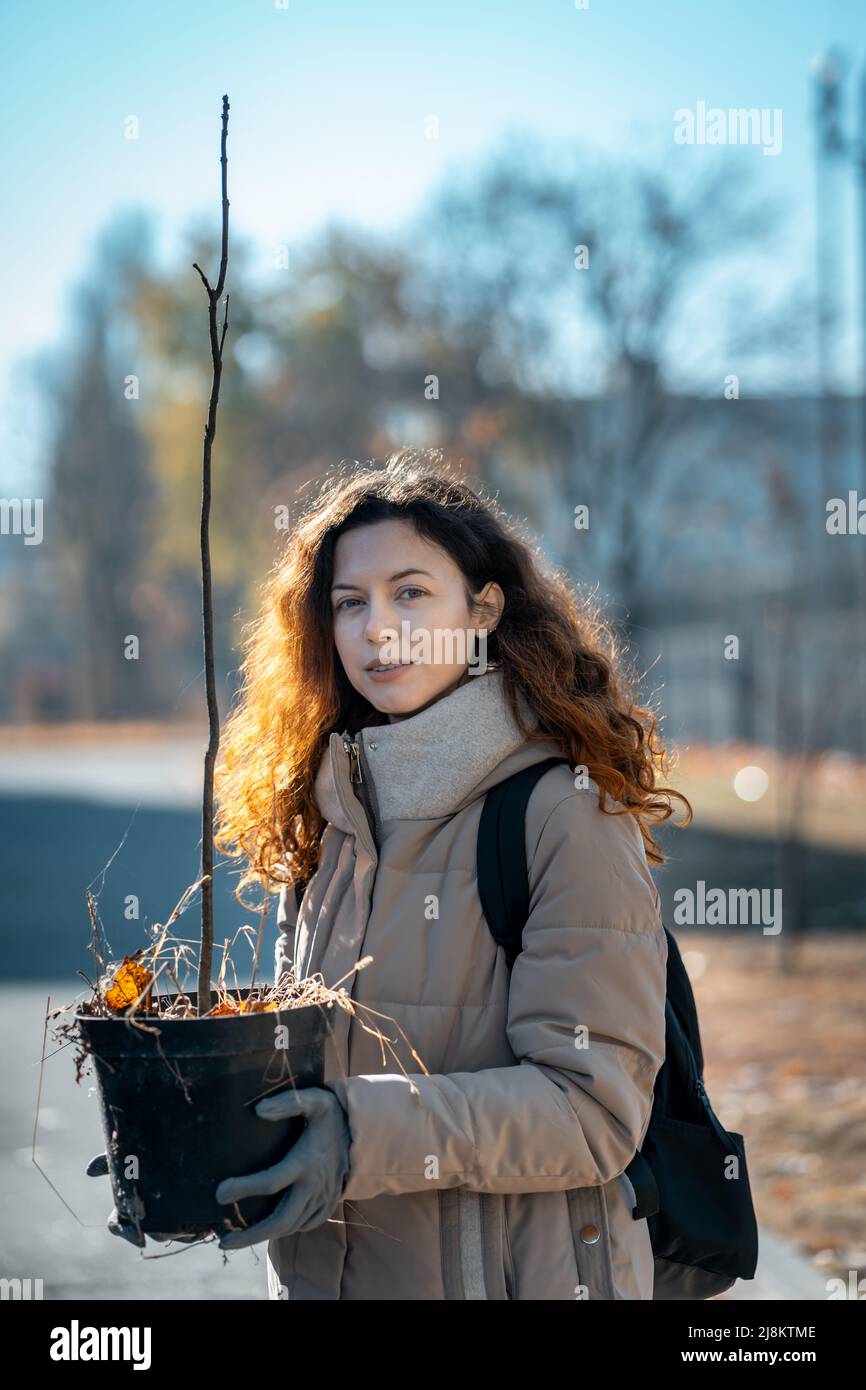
{"x": 315, "y": 1169}
{"x": 120, "y": 1225}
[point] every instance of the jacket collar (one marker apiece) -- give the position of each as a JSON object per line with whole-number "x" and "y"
{"x": 438, "y": 761}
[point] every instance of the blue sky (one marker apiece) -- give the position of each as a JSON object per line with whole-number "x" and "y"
{"x": 329, "y": 99}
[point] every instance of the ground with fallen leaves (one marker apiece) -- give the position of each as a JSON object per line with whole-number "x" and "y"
{"x": 785, "y": 1065}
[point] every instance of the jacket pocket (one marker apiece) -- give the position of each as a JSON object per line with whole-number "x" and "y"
{"x": 507, "y": 1254}
{"x": 590, "y": 1232}
{"x": 475, "y": 1252}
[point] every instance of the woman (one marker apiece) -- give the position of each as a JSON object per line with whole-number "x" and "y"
{"x": 498, "y": 1172}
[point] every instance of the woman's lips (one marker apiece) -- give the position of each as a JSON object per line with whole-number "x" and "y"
{"x": 391, "y": 674}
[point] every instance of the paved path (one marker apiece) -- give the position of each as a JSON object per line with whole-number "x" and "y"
{"x": 40, "y": 1238}
{"x": 111, "y": 769}
{"x": 783, "y": 1274}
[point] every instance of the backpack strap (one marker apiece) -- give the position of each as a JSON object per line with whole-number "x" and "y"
{"x": 503, "y": 887}
{"x": 503, "y": 877}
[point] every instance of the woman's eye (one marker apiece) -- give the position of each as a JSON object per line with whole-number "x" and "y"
{"x": 410, "y": 591}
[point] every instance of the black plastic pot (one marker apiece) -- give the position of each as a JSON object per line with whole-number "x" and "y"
{"x": 182, "y": 1103}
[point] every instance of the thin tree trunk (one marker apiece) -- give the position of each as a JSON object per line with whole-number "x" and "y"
{"x": 205, "y": 992}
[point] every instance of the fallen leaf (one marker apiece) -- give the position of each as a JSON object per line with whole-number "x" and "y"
{"x": 130, "y": 979}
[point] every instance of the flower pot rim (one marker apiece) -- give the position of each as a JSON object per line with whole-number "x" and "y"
{"x": 117, "y": 1036}
{"x": 162, "y": 1019}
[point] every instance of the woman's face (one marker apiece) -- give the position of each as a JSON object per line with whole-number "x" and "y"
{"x": 399, "y": 601}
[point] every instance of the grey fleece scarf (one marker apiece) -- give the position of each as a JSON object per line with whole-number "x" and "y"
{"x": 429, "y": 764}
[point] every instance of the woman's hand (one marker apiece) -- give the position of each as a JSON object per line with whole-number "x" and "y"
{"x": 314, "y": 1170}
{"x": 119, "y": 1224}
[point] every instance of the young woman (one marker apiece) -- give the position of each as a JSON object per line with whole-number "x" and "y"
{"x": 498, "y": 1175}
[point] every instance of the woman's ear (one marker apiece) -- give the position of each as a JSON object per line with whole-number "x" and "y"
{"x": 493, "y": 599}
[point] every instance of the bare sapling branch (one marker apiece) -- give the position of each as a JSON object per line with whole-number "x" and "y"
{"x": 205, "y": 993}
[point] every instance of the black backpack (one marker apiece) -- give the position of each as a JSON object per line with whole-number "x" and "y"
{"x": 702, "y": 1225}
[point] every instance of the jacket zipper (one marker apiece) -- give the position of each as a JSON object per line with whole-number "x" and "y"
{"x": 366, "y": 795}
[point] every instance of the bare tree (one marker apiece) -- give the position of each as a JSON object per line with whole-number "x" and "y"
{"x": 590, "y": 290}
{"x": 101, "y": 493}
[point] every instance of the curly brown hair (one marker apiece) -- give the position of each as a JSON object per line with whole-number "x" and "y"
{"x": 554, "y": 647}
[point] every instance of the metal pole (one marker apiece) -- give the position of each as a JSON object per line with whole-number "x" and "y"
{"x": 859, "y": 560}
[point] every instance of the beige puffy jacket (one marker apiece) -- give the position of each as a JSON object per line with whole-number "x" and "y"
{"x": 500, "y": 1176}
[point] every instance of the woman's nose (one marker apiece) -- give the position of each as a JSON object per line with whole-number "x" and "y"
{"x": 382, "y": 623}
